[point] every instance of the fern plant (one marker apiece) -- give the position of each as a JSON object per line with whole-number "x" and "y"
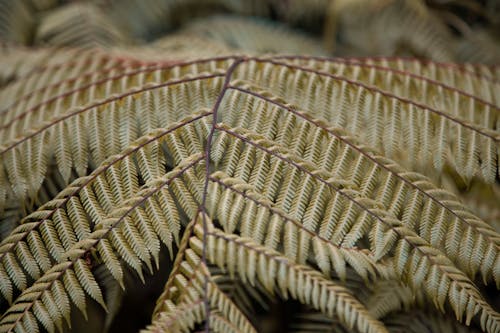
{"x": 266, "y": 177}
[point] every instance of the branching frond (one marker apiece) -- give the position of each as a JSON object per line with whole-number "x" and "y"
{"x": 475, "y": 79}
{"x": 412, "y": 253}
{"x": 298, "y": 176}
{"x": 71, "y": 278}
{"x": 274, "y": 271}
{"x": 441, "y": 95}
{"x": 91, "y": 135}
{"x": 400, "y": 129}
{"x": 88, "y": 201}
{"x": 178, "y": 318}
{"x": 431, "y": 212}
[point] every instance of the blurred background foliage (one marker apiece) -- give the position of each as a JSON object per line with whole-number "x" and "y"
{"x": 441, "y": 30}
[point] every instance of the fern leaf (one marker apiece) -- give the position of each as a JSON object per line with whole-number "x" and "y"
{"x": 417, "y": 188}
{"x": 83, "y": 25}
{"x": 75, "y": 270}
{"x": 289, "y": 278}
{"x": 304, "y": 184}
{"x": 478, "y": 82}
{"x": 477, "y": 154}
{"x": 79, "y": 121}
{"x": 179, "y": 318}
{"x": 408, "y": 241}
{"x": 48, "y": 230}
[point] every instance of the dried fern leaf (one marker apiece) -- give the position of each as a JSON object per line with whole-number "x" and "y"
{"x": 191, "y": 279}
{"x": 299, "y": 241}
{"x": 409, "y": 247}
{"x": 302, "y": 203}
{"x": 419, "y": 89}
{"x": 42, "y": 82}
{"x": 84, "y": 122}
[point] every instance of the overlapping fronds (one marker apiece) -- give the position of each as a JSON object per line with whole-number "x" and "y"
{"x": 298, "y": 176}
{"x": 441, "y": 30}
{"x": 396, "y": 27}
{"x": 285, "y": 186}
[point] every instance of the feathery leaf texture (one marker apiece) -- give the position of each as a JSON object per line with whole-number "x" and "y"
{"x": 305, "y": 178}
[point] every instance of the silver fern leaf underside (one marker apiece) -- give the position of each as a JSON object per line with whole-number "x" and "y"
{"x": 279, "y": 170}
{"x": 362, "y": 192}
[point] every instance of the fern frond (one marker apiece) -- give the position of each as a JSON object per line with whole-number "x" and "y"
{"x": 390, "y": 296}
{"x": 435, "y": 94}
{"x": 60, "y": 74}
{"x": 415, "y": 131}
{"x": 248, "y": 299}
{"x": 254, "y": 36}
{"x": 408, "y": 246}
{"x": 275, "y": 271}
{"x": 188, "y": 283}
{"x": 79, "y": 24}
{"x": 298, "y": 240}
{"x": 430, "y": 212}
{"x": 178, "y": 318}
{"x": 35, "y": 70}
{"x": 84, "y": 122}
{"x": 474, "y": 79}
{"x": 72, "y": 278}
{"x": 290, "y": 187}
{"x": 89, "y": 200}
{"x": 38, "y": 82}
{"x": 115, "y": 83}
